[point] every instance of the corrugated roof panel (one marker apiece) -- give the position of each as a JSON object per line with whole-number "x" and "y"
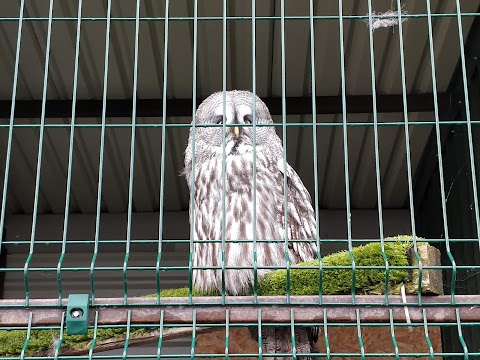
{"x": 209, "y": 78}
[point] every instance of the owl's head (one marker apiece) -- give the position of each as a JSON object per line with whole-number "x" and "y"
{"x": 239, "y": 116}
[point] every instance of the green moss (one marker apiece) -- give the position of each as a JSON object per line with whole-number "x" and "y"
{"x": 302, "y": 282}
{"x": 11, "y": 342}
{"x": 339, "y": 280}
{"x": 79, "y": 341}
{"x": 181, "y": 292}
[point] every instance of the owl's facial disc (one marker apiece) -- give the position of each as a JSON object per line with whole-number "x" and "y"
{"x": 232, "y": 132}
{"x": 235, "y": 135}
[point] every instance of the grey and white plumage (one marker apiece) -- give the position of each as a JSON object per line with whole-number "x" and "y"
{"x": 203, "y": 159}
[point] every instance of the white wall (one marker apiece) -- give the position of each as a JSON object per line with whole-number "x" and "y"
{"x": 109, "y": 283}
{"x": 176, "y": 226}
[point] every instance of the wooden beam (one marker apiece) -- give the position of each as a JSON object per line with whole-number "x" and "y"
{"x": 183, "y": 107}
{"x": 208, "y": 310}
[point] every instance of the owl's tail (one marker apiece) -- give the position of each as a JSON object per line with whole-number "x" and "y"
{"x": 278, "y": 340}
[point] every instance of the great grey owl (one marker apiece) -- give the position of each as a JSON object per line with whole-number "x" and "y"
{"x": 203, "y": 160}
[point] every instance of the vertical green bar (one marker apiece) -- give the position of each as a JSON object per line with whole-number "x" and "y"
{"x": 460, "y": 334}
{"x": 127, "y": 335}
{"x": 162, "y": 161}
{"x": 359, "y": 334}
{"x": 160, "y": 336}
{"x": 284, "y": 145}
{"x": 392, "y": 334}
{"x": 315, "y": 155}
{"x": 259, "y": 336}
{"x": 292, "y": 333}
{"x": 132, "y": 157}
{"x": 102, "y": 150}
{"x": 254, "y": 170}
{"x": 439, "y": 153}
{"x": 224, "y": 130}
{"x": 12, "y": 120}
{"x": 70, "y": 154}
{"x": 407, "y": 148}
{"x": 40, "y": 153}
{"x": 227, "y": 333}
{"x": 325, "y": 330}
{"x": 377, "y": 153}
{"x": 94, "y": 340}
{"x": 60, "y": 339}
{"x": 27, "y": 340}
{"x": 193, "y": 130}
{"x": 468, "y": 116}
{"x": 194, "y": 335}
{"x": 345, "y": 150}
{"x": 427, "y": 337}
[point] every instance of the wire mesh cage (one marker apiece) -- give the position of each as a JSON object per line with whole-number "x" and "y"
{"x": 285, "y": 239}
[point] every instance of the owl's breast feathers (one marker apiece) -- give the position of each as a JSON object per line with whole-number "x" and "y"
{"x": 239, "y": 226}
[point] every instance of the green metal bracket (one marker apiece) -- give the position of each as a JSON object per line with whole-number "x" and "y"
{"x": 77, "y": 314}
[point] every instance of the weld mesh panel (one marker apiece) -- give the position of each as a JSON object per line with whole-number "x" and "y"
{"x": 428, "y": 210}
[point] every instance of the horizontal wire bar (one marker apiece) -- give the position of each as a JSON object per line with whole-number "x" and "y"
{"x": 186, "y": 241}
{"x": 235, "y": 267}
{"x": 304, "y": 300}
{"x": 247, "y": 324}
{"x": 238, "y": 18}
{"x": 333, "y": 354}
{"x": 322, "y": 355}
{"x": 150, "y": 326}
{"x": 243, "y": 355}
{"x": 112, "y": 311}
{"x": 187, "y": 125}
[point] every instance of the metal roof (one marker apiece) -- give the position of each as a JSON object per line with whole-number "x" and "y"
{"x": 209, "y": 79}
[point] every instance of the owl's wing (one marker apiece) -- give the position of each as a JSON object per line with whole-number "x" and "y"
{"x": 301, "y": 216}
{"x": 301, "y": 226}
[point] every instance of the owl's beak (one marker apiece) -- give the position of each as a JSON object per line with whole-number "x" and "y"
{"x": 236, "y": 131}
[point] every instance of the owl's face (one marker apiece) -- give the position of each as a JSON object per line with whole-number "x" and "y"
{"x": 238, "y": 111}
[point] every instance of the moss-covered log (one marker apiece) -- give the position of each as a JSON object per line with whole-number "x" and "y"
{"x": 335, "y": 272}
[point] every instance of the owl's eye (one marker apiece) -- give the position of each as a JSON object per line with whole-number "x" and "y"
{"x": 219, "y": 120}
{"x": 247, "y": 119}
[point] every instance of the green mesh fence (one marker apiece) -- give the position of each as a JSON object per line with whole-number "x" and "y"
{"x": 410, "y": 296}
